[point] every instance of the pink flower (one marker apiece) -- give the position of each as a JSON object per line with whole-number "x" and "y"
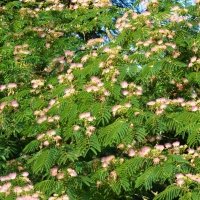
{"x": 51, "y": 132}
{"x": 52, "y": 101}
{"x": 12, "y": 175}
{"x": 156, "y": 161}
{"x": 124, "y": 84}
{"x": 60, "y": 176}
{"x": 17, "y": 189}
{"x": 180, "y": 182}
{"x": 179, "y": 176}
{"x": 25, "y": 174}
{"x": 84, "y": 115}
{"x": 5, "y": 187}
{"x": 159, "y": 147}
{"x": 151, "y": 103}
{"x": 190, "y": 151}
{"x": 12, "y": 85}
{"x": 54, "y": 171}
{"x": 14, "y": 103}
{"x": 168, "y": 145}
{"x": 72, "y": 172}
{"x": 193, "y": 59}
{"x": 176, "y": 144}
{"x": 40, "y": 136}
{"x": 115, "y": 108}
{"x": 144, "y": 151}
{"x": 42, "y": 119}
{"x": 65, "y": 197}
{"x": 128, "y": 105}
{"x": 56, "y": 117}
{"x": 113, "y": 174}
{"x": 194, "y": 108}
{"x": 46, "y": 143}
{"x": 76, "y": 128}
{"x": 131, "y": 153}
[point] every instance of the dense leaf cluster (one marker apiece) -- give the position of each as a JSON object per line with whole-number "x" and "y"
{"x": 99, "y": 102}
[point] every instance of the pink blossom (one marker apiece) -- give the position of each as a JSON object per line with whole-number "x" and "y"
{"x": 54, "y": 171}
{"x": 156, "y": 161}
{"x": 60, "y": 176}
{"x": 40, "y": 136}
{"x": 72, "y": 172}
{"x": 194, "y": 108}
{"x": 27, "y": 187}
{"x": 151, "y": 103}
{"x": 2, "y": 105}
{"x": 52, "y": 101}
{"x": 12, "y": 175}
{"x": 180, "y": 182}
{"x": 115, "y": 108}
{"x": 193, "y": 59}
{"x": 84, "y": 115}
{"x": 113, "y": 174}
{"x": 65, "y": 197}
{"x": 179, "y": 176}
{"x": 46, "y": 143}
{"x": 190, "y": 151}
{"x": 42, "y": 119}
{"x": 159, "y": 147}
{"x": 131, "y": 153}
{"x": 57, "y": 138}
{"x": 12, "y": 85}
{"x": 124, "y": 84}
{"x": 176, "y": 144}
{"x": 2, "y": 87}
{"x": 25, "y": 174}
{"x": 17, "y": 189}
{"x": 128, "y": 105}
{"x": 168, "y": 145}
{"x": 14, "y": 104}
{"x": 144, "y": 151}
{"x": 5, "y": 187}
{"x": 56, "y": 117}
{"x": 51, "y": 132}
{"x": 158, "y": 112}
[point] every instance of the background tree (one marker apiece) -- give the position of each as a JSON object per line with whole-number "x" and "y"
{"x": 99, "y": 102}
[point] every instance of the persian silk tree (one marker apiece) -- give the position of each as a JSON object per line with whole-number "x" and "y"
{"x": 99, "y": 102}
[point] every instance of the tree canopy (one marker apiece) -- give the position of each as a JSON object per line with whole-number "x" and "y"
{"x": 99, "y": 101}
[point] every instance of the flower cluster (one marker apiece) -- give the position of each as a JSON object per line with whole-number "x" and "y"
{"x": 160, "y": 104}
{"x": 21, "y": 50}
{"x": 48, "y": 138}
{"x": 131, "y": 89}
{"x": 182, "y": 179}
{"x": 111, "y": 73}
{"x": 61, "y": 175}
{"x": 120, "y": 110}
{"x": 12, "y": 103}
{"x": 42, "y": 113}
{"x": 12, "y": 185}
{"x": 86, "y": 116}
{"x": 124, "y": 22}
{"x": 86, "y": 3}
{"x": 106, "y": 161}
{"x": 69, "y": 92}
{"x": 74, "y": 66}
{"x": 37, "y": 83}
{"x": 94, "y": 42}
{"x": 65, "y": 78}
{"x": 194, "y": 61}
{"x": 96, "y": 86}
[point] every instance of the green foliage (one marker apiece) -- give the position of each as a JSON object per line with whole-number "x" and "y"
{"x": 99, "y": 102}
